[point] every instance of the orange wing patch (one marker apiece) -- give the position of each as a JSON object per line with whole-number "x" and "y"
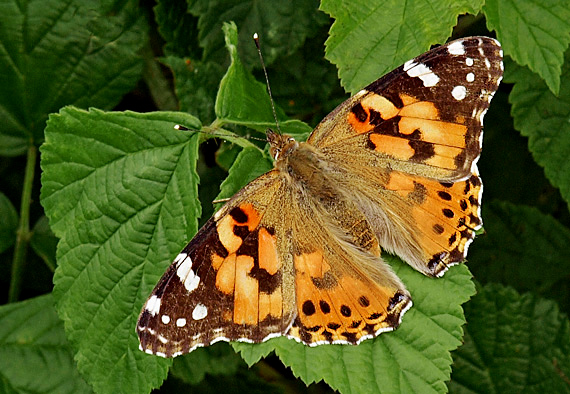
{"x": 446, "y": 216}
{"x": 411, "y": 130}
{"x": 245, "y": 216}
{"x": 249, "y": 269}
{"x": 345, "y": 309}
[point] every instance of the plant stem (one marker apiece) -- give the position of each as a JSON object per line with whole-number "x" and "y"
{"x": 23, "y": 233}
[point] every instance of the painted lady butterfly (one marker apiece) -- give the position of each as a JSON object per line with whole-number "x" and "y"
{"x": 296, "y": 252}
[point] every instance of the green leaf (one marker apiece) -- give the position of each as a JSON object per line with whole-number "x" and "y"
{"x": 244, "y": 101}
{"x": 178, "y": 28}
{"x": 535, "y": 33}
{"x": 514, "y": 72}
{"x": 370, "y": 39}
{"x": 54, "y": 53}
{"x": 12, "y": 145}
{"x": 120, "y": 191}
{"x": 414, "y": 358}
{"x": 215, "y": 360}
{"x": 226, "y": 155}
{"x": 513, "y": 343}
{"x": 521, "y": 180}
{"x": 305, "y": 84}
{"x": 519, "y": 240}
{"x": 44, "y": 242}
{"x": 8, "y": 224}
{"x": 283, "y": 26}
{"x": 35, "y": 356}
{"x": 196, "y": 84}
{"x": 243, "y": 171}
{"x": 543, "y": 117}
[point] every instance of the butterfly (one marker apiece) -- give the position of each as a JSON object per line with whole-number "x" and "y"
{"x": 297, "y": 251}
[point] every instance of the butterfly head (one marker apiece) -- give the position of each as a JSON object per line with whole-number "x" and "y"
{"x": 281, "y": 145}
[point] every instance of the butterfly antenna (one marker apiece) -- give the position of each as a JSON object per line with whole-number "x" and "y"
{"x": 256, "y": 40}
{"x": 213, "y": 133}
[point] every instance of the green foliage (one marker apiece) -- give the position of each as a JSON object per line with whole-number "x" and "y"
{"x": 283, "y": 26}
{"x": 248, "y": 165}
{"x": 244, "y": 101}
{"x": 115, "y": 215}
{"x": 535, "y": 33}
{"x": 513, "y": 343}
{"x": 35, "y": 356}
{"x": 542, "y": 116}
{"x": 216, "y": 360}
{"x": 402, "y": 31}
{"x": 56, "y": 53}
{"x": 518, "y": 238}
{"x": 123, "y": 192}
{"x": 8, "y": 224}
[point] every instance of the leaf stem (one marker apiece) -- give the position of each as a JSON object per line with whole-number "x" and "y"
{"x": 23, "y": 232}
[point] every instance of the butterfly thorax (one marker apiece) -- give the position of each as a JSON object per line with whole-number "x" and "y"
{"x": 300, "y": 163}
{"x": 314, "y": 181}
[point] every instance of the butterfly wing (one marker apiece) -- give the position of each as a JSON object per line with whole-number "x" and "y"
{"x": 425, "y": 117}
{"x": 344, "y": 292}
{"x": 254, "y": 272}
{"x": 411, "y": 141}
{"x": 226, "y": 284}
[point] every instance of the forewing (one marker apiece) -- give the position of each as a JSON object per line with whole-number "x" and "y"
{"x": 227, "y": 284}
{"x": 425, "y": 117}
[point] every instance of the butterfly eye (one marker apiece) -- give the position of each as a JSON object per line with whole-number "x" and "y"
{"x": 290, "y": 139}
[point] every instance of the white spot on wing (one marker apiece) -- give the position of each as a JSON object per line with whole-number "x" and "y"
{"x": 459, "y": 92}
{"x": 469, "y": 61}
{"x": 199, "y": 312}
{"x": 180, "y": 322}
{"x": 470, "y": 77}
{"x": 482, "y": 115}
{"x": 179, "y": 258}
{"x": 165, "y": 319}
{"x": 409, "y": 64}
{"x": 487, "y": 63}
{"x": 456, "y": 48}
{"x": 192, "y": 282}
{"x": 187, "y": 275}
{"x": 153, "y": 305}
{"x": 421, "y": 71}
